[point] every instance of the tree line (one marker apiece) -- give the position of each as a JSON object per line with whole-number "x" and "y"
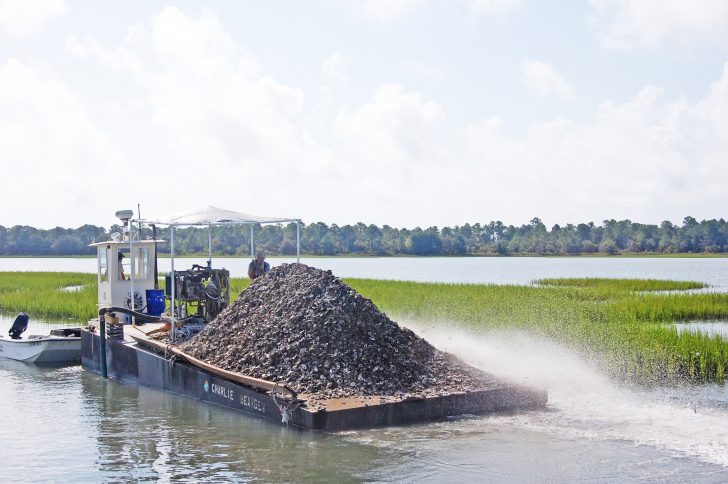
{"x": 495, "y": 238}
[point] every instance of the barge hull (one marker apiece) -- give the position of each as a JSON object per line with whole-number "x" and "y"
{"x": 128, "y": 362}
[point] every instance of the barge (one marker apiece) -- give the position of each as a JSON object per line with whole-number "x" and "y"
{"x": 130, "y": 361}
{"x": 117, "y": 345}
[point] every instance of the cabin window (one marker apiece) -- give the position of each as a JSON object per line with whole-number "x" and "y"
{"x": 103, "y": 264}
{"x": 124, "y": 265}
{"x": 141, "y": 260}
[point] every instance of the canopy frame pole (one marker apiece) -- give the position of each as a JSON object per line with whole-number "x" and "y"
{"x": 131, "y": 269}
{"x": 298, "y": 241}
{"x": 252, "y": 241}
{"x": 209, "y": 246}
{"x": 173, "y": 309}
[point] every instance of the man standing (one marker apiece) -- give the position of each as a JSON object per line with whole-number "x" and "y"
{"x": 122, "y": 277}
{"x": 258, "y": 266}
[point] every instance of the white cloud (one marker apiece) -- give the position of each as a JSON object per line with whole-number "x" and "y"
{"x": 714, "y": 109}
{"x": 544, "y": 80}
{"x": 178, "y": 115}
{"x": 50, "y": 148}
{"x": 191, "y": 104}
{"x": 23, "y": 18}
{"x": 391, "y": 150}
{"x": 396, "y": 129}
{"x": 382, "y": 10}
{"x": 650, "y": 23}
{"x": 635, "y": 160}
{"x": 336, "y": 68}
{"x": 201, "y": 87}
{"x": 646, "y": 160}
{"x": 388, "y": 11}
{"x": 492, "y": 7}
{"x": 429, "y": 71}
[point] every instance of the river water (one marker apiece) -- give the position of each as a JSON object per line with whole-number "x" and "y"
{"x": 65, "y": 424}
{"x": 481, "y": 270}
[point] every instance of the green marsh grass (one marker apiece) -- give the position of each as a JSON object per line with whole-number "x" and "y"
{"x": 45, "y": 294}
{"x": 623, "y": 284}
{"x": 616, "y": 323}
{"x": 622, "y": 325}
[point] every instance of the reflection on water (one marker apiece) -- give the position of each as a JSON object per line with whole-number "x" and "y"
{"x": 143, "y": 433}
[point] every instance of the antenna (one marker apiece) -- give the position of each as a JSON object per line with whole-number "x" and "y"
{"x": 125, "y": 216}
{"x": 139, "y": 218}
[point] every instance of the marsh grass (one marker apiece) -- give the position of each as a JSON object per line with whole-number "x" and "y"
{"x": 237, "y": 285}
{"x": 43, "y": 294}
{"x": 619, "y": 324}
{"x": 623, "y": 284}
{"x": 615, "y": 323}
{"x": 46, "y": 295}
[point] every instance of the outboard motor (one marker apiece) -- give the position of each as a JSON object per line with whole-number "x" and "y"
{"x": 19, "y": 326}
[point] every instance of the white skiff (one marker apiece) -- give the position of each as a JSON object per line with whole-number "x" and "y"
{"x": 61, "y": 346}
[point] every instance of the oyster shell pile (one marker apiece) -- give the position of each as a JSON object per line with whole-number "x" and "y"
{"x": 305, "y": 328}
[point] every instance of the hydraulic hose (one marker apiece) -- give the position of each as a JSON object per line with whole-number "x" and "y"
{"x": 144, "y": 318}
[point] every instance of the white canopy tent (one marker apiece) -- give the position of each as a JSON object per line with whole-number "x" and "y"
{"x": 210, "y": 216}
{"x": 213, "y": 216}
{"x": 218, "y": 216}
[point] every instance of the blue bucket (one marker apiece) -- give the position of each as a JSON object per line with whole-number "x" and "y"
{"x": 155, "y": 302}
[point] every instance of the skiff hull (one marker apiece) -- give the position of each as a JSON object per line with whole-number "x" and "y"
{"x": 44, "y": 349}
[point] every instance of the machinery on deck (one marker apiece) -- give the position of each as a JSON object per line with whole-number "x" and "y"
{"x": 201, "y": 292}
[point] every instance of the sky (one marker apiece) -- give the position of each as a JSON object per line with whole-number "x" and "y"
{"x": 399, "y": 112}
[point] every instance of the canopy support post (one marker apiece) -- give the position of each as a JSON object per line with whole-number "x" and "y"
{"x": 209, "y": 246}
{"x": 298, "y": 241}
{"x": 131, "y": 269}
{"x": 173, "y": 308}
{"x": 252, "y": 241}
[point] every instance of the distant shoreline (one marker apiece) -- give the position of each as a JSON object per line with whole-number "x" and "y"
{"x": 636, "y": 255}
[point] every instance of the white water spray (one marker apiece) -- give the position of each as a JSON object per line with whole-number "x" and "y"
{"x": 587, "y": 404}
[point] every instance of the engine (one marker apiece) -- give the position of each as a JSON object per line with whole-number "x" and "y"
{"x": 201, "y": 292}
{"x": 19, "y": 326}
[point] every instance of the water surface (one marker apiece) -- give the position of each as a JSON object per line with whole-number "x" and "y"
{"x": 710, "y": 328}
{"x": 495, "y": 270}
{"x": 66, "y": 424}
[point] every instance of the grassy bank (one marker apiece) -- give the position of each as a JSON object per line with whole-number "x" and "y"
{"x": 615, "y": 323}
{"x": 618, "y": 323}
{"x": 46, "y": 294}
{"x": 64, "y": 295}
